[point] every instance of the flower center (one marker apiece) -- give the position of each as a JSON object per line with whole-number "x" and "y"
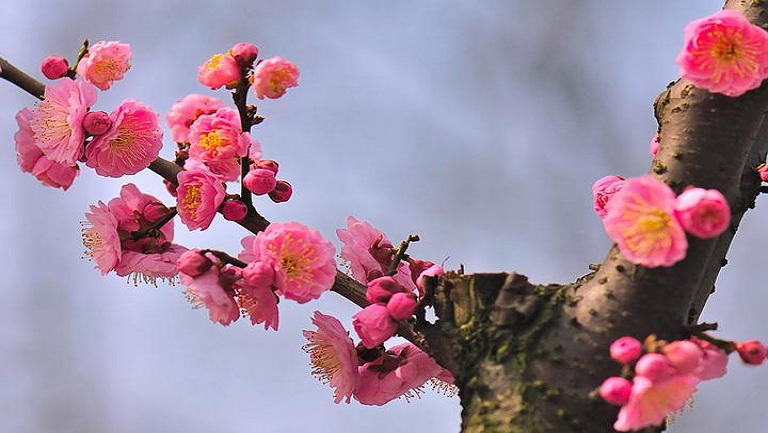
{"x": 212, "y": 141}
{"x": 191, "y": 200}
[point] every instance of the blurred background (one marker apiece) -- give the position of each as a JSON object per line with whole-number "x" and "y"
{"x": 478, "y": 125}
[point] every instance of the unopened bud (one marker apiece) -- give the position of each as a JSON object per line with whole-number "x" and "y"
{"x": 282, "y": 192}
{"x": 54, "y": 67}
{"x": 96, "y": 122}
{"x": 234, "y": 210}
{"x": 268, "y": 164}
{"x": 751, "y": 351}
{"x": 684, "y": 355}
{"x": 193, "y": 263}
{"x": 402, "y": 305}
{"x": 381, "y": 289}
{"x": 616, "y": 390}
{"x": 244, "y": 53}
{"x": 626, "y": 349}
{"x": 154, "y": 211}
{"x": 260, "y": 181}
{"x": 259, "y": 274}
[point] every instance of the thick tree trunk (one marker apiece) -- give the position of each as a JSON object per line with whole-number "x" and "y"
{"x": 528, "y": 358}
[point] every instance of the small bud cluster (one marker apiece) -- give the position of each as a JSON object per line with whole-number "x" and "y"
{"x": 648, "y": 222}
{"x": 659, "y": 377}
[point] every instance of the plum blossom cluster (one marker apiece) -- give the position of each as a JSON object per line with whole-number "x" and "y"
{"x": 724, "y": 53}
{"x": 286, "y": 260}
{"x": 394, "y": 281}
{"x": 372, "y": 376}
{"x": 132, "y": 235}
{"x": 660, "y": 377}
{"x": 648, "y": 222}
{"x": 62, "y": 130}
{"x": 269, "y": 78}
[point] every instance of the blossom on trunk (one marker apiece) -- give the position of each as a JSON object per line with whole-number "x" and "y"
{"x": 186, "y": 110}
{"x": 32, "y": 160}
{"x": 57, "y": 120}
{"x": 724, "y": 53}
{"x": 641, "y": 221}
{"x": 374, "y": 325}
{"x": 104, "y": 63}
{"x": 704, "y": 213}
{"x": 205, "y": 290}
{"x": 301, "y": 258}
{"x": 366, "y": 249}
{"x": 332, "y": 355}
{"x": 602, "y": 191}
{"x": 130, "y": 145}
{"x": 651, "y": 402}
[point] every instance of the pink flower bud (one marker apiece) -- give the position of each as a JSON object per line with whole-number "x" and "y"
{"x": 654, "y": 146}
{"x": 54, "y": 67}
{"x": 602, "y": 191}
{"x": 432, "y": 271}
{"x": 259, "y": 274}
{"x": 374, "y": 325}
{"x": 192, "y": 263}
{"x": 684, "y": 355}
{"x": 751, "y": 351}
{"x": 260, "y": 181}
{"x": 762, "y": 170}
{"x": 154, "y": 211}
{"x": 282, "y": 192}
{"x": 703, "y": 212}
{"x": 382, "y": 288}
{"x": 96, "y": 123}
{"x": 626, "y": 349}
{"x": 616, "y": 390}
{"x": 244, "y": 53}
{"x": 655, "y": 367}
{"x": 268, "y": 164}
{"x": 402, "y": 305}
{"x": 170, "y": 187}
{"x": 234, "y": 210}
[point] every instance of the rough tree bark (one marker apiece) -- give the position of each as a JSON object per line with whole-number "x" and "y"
{"x": 527, "y": 357}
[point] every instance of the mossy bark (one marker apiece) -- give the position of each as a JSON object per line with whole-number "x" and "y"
{"x": 528, "y": 358}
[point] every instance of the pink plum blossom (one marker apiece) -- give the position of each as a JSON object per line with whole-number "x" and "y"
{"x": 381, "y": 289}
{"x": 400, "y": 373}
{"x": 301, "y": 258}
{"x": 119, "y": 236}
{"x": 32, "y": 160}
{"x": 101, "y": 239}
{"x": 365, "y": 248}
{"x": 272, "y": 77}
{"x": 724, "y": 53}
{"x": 186, "y": 110}
{"x": 104, "y": 63}
{"x": 260, "y": 302}
{"x": 651, "y": 402}
{"x": 57, "y": 121}
{"x": 130, "y": 145}
{"x": 54, "y": 67}
{"x": 259, "y": 274}
{"x": 714, "y": 362}
{"x": 198, "y": 196}
{"x": 432, "y": 271}
{"x": 762, "y": 170}
{"x": 655, "y": 367}
{"x": 602, "y": 191}
{"x": 374, "y": 325}
{"x": 205, "y": 291}
{"x": 401, "y": 306}
{"x": 641, "y": 221}
{"x": 626, "y": 349}
{"x": 218, "y": 136}
{"x": 332, "y": 355}
{"x": 219, "y": 70}
{"x": 703, "y": 212}
{"x": 234, "y": 210}
{"x": 685, "y": 356}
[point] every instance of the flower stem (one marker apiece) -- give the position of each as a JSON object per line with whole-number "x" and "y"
{"x": 400, "y": 253}
{"x": 156, "y": 226}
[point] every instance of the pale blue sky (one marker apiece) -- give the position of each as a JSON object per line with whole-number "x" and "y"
{"x": 478, "y": 125}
